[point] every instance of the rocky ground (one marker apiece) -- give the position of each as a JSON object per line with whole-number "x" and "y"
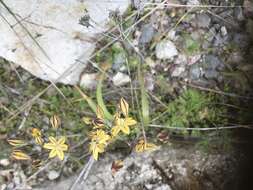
{"x": 165, "y": 169}
{"x": 208, "y": 48}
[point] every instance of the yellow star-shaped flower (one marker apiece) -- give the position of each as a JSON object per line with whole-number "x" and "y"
{"x": 57, "y": 147}
{"x": 122, "y": 124}
{"x": 99, "y": 140}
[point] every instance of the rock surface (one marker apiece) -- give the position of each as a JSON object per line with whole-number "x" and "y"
{"x": 166, "y": 50}
{"x": 120, "y": 79}
{"x": 46, "y": 37}
{"x": 52, "y": 175}
{"x": 163, "y": 169}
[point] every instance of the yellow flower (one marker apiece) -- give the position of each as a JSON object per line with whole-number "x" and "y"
{"x": 99, "y": 140}
{"x": 16, "y": 142}
{"x": 57, "y": 147}
{"x": 122, "y": 124}
{"x": 143, "y": 146}
{"x": 99, "y": 136}
{"x": 55, "y": 121}
{"x": 19, "y": 155}
{"x": 36, "y": 134}
{"x": 96, "y": 148}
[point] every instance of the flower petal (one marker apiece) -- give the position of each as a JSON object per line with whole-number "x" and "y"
{"x": 92, "y": 146}
{"x": 95, "y": 154}
{"x": 39, "y": 140}
{"x": 63, "y": 147}
{"x": 125, "y": 130}
{"x": 100, "y": 148}
{"x": 130, "y": 121}
{"x": 61, "y": 140}
{"x": 60, "y": 154}
{"x": 49, "y": 146}
{"x": 115, "y": 130}
{"x": 52, "y": 153}
{"x": 52, "y": 140}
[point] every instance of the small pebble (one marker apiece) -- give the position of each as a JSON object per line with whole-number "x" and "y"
{"x": 121, "y": 79}
{"x": 4, "y": 162}
{"x": 166, "y": 50}
{"x": 52, "y": 175}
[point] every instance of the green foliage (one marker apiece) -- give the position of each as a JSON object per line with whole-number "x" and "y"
{"x": 191, "y": 46}
{"x": 194, "y": 109}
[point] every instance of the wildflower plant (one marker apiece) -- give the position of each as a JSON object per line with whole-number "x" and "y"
{"x": 56, "y": 144}
{"x": 106, "y": 131}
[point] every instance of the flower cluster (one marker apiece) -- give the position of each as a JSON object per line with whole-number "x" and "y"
{"x": 56, "y": 145}
{"x": 105, "y": 131}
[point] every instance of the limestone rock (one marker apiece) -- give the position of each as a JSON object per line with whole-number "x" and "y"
{"x": 121, "y": 79}
{"x": 163, "y": 169}
{"x": 166, "y": 50}
{"x": 52, "y": 175}
{"x": 46, "y": 37}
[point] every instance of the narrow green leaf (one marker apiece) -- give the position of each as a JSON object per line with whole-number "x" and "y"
{"x": 100, "y": 99}
{"x": 144, "y": 99}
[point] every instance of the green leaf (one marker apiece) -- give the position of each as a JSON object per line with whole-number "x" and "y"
{"x": 144, "y": 99}
{"x": 100, "y": 99}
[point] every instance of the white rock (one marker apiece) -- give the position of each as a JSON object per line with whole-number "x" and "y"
{"x": 166, "y": 50}
{"x": 58, "y": 38}
{"x": 224, "y": 31}
{"x": 120, "y": 79}
{"x": 4, "y": 162}
{"x": 52, "y": 175}
{"x": 89, "y": 80}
